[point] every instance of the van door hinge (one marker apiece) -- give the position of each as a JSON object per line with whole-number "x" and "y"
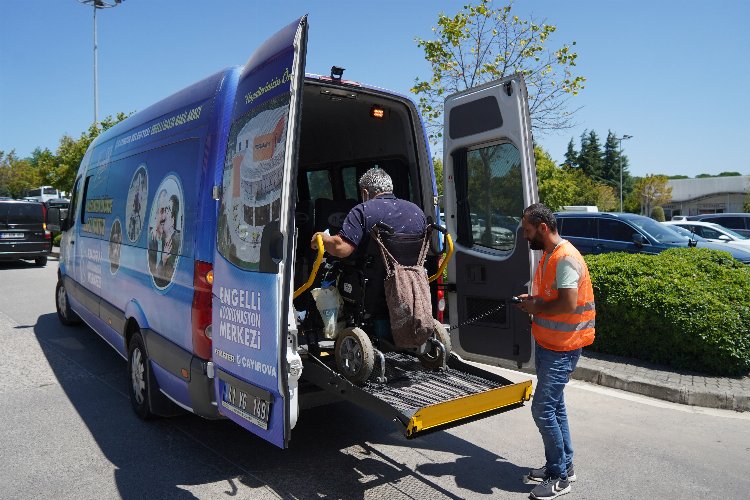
{"x": 216, "y": 193}
{"x": 210, "y": 369}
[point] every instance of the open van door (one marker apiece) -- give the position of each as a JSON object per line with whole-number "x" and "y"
{"x": 490, "y": 178}
{"x": 256, "y": 365}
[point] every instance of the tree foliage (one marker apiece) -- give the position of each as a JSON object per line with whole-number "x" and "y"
{"x": 482, "y": 43}
{"x": 45, "y": 168}
{"x": 652, "y": 191}
{"x": 17, "y": 175}
{"x": 437, "y": 165}
{"x": 561, "y": 186}
{"x": 590, "y": 158}
{"x": 657, "y": 213}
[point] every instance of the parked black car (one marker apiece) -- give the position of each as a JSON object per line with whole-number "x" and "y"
{"x": 739, "y": 223}
{"x": 602, "y": 232}
{"x": 23, "y": 231}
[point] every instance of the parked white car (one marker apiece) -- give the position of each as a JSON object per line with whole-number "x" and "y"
{"x": 713, "y": 232}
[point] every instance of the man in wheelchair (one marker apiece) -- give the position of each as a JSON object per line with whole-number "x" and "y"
{"x": 359, "y": 271}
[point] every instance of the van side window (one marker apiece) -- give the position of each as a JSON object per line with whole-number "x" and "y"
{"x": 582, "y": 227}
{"x": 83, "y": 198}
{"x": 495, "y": 195}
{"x": 73, "y": 204}
{"x": 351, "y": 185}
{"x": 319, "y": 184}
{"x": 615, "y": 230}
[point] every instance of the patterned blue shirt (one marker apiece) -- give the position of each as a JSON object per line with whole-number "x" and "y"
{"x": 403, "y": 216}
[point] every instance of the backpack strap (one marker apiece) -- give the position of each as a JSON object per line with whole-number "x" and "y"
{"x": 388, "y": 259}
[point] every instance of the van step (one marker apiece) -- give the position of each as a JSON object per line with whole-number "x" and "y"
{"x": 423, "y": 400}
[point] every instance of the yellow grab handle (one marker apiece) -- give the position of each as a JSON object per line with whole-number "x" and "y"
{"x": 314, "y": 272}
{"x": 444, "y": 264}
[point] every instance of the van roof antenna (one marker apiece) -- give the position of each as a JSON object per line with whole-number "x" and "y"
{"x": 337, "y": 73}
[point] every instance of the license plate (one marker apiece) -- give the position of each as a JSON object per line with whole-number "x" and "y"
{"x": 11, "y": 236}
{"x": 252, "y": 408}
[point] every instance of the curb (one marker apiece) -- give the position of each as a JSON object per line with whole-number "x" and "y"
{"x": 683, "y": 395}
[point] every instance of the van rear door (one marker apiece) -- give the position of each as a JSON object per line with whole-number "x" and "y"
{"x": 489, "y": 179}
{"x": 253, "y": 261}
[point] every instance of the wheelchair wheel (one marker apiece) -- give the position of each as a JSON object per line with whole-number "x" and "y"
{"x": 355, "y": 356}
{"x": 433, "y": 359}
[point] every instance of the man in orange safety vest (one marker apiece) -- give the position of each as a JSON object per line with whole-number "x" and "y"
{"x": 563, "y": 319}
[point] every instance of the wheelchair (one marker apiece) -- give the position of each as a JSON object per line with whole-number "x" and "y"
{"x": 363, "y": 329}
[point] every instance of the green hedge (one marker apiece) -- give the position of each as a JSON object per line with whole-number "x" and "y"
{"x": 686, "y": 307}
{"x": 56, "y": 240}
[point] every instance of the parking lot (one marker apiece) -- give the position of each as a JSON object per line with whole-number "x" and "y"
{"x": 69, "y": 432}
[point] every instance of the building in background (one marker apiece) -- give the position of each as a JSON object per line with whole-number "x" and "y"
{"x": 707, "y": 195}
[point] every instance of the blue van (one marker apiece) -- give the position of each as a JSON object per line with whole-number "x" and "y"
{"x": 187, "y": 242}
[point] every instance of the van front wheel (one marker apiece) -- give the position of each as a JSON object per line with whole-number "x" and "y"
{"x": 64, "y": 313}
{"x": 138, "y": 375}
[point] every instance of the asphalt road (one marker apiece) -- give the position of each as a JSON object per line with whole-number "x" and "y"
{"x": 69, "y": 432}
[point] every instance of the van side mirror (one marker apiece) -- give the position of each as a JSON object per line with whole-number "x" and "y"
{"x": 53, "y": 219}
{"x": 639, "y": 240}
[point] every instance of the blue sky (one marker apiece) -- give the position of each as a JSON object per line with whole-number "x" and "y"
{"x": 674, "y": 74}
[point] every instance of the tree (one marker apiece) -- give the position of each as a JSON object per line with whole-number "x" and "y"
{"x": 70, "y": 152}
{"x": 17, "y": 175}
{"x": 437, "y": 165}
{"x": 651, "y": 191}
{"x": 44, "y": 161}
{"x": 590, "y": 159}
{"x": 482, "y": 43}
{"x": 657, "y": 213}
{"x": 571, "y": 155}
{"x": 561, "y": 186}
{"x": 613, "y": 160}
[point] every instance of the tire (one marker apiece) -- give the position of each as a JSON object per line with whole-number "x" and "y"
{"x": 64, "y": 313}
{"x": 40, "y": 261}
{"x": 433, "y": 359}
{"x": 355, "y": 356}
{"x": 140, "y": 397}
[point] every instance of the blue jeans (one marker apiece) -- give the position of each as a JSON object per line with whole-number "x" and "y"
{"x": 553, "y": 371}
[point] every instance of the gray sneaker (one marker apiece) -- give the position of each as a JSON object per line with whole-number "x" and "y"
{"x": 539, "y": 475}
{"x": 552, "y": 487}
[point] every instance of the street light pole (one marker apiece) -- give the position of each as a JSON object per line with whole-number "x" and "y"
{"x": 625, "y": 137}
{"x": 97, "y": 4}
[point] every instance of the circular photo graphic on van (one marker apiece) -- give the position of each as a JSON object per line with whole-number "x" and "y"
{"x": 136, "y": 205}
{"x": 115, "y": 246}
{"x": 165, "y": 231}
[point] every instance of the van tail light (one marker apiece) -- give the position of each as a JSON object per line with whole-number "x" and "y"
{"x": 201, "y": 310}
{"x": 440, "y": 300}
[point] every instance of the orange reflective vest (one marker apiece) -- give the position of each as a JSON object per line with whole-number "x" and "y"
{"x": 564, "y": 332}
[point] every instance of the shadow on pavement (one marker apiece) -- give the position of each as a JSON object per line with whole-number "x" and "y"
{"x": 336, "y": 450}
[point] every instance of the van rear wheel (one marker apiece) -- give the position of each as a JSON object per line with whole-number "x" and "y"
{"x": 138, "y": 375}
{"x": 355, "y": 356}
{"x": 64, "y": 313}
